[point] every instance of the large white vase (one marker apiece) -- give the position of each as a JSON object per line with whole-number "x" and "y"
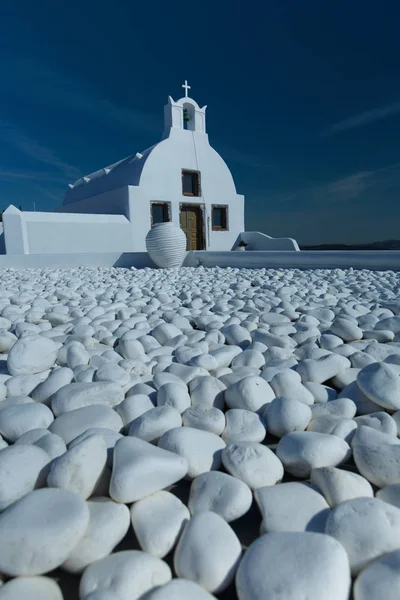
{"x": 166, "y": 245}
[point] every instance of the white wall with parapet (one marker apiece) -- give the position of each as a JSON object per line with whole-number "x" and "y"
{"x": 256, "y": 240}
{"x": 113, "y": 202}
{"x": 377, "y": 260}
{"x": 59, "y": 233}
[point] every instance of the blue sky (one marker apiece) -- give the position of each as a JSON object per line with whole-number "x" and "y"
{"x": 303, "y": 102}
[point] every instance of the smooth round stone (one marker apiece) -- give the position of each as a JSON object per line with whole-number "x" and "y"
{"x": 390, "y": 494}
{"x": 22, "y": 469}
{"x": 366, "y": 528}
{"x": 360, "y": 360}
{"x": 80, "y": 469}
{"x": 205, "y": 361}
{"x": 52, "y": 444}
{"x": 17, "y": 420}
{"x": 380, "y": 383}
{"x": 126, "y": 575}
{"x": 363, "y": 404}
{"x": 163, "y": 378}
{"x": 290, "y": 566}
{"x": 343, "y": 379}
{"x": 220, "y": 493}
{"x": 32, "y": 436}
{"x": 342, "y": 407}
{"x": 292, "y": 506}
{"x": 225, "y": 355}
{"x": 165, "y": 332}
{"x": 34, "y": 588}
{"x": 346, "y": 330}
{"x": 158, "y": 521}
{"x": 208, "y": 391}
{"x": 154, "y": 423}
{"x": 109, "y": 436}
{"x": 75, "y": 422}
{"x": 201, "y": 449}
{"x": 243, "y": 426}
{"x": 339, "y": 426}
{"x": 208, "y": 552}
{"x": 7, "y": 340}
{"x": 252, "y": 463}
{"x": 249, "y": 358}
{"x": 141, "y": 469}
{"x": 380, "y": 421}
{"x": 108, "y": 524}
{"x": 77, "y": 355}
{"x": 380, "y": 464}
{"x": 321, "y": 393}
{"x": 302, "y": 451}
{"x": 250, "y": 393}
{"x": 338, "y": 485}
{"x": 380, "y": 579}
{"x": 31, "y": 354}
{"x": 133, "y": 407}
{"x": 369, "y": 436}
{"x": 288, "y": 384}
{"x": 38, "y": 533}
{"x": 80, "y": 395}
{"x": 185, "y": 372}
{"x": 284, "y": 415}
{"x": 56, "y": 380}
{"x": 112, "y": 373}
{"x": 204, "y": 417}
{"x": 23, "y": 385}
{"x": 180, "y": 589}
{"x": 14, "y": 400}
{"x": 236, "y": 335}
{"x": 322, "y": 369}
{"x": 175, "y": 395}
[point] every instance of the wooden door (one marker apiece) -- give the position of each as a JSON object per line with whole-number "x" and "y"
{"x": 192, "y": 225}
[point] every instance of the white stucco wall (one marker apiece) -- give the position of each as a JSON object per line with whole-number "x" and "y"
{"x": 260, "y": 241}
{"x": 112, "y": 202}
{"x": 58, "y": 233}
{"x": 129, "y": 186}
{"x": 161, "y": 180}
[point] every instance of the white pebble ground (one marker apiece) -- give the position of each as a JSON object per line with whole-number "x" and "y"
{"x": 199, "y": 433}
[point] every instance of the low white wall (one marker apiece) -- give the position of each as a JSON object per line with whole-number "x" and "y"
{"x": 379, "y": 260}
{"x": 47, "y": 233}
{"x": 374, "y": 260}
{"x": 260, "y": 241}
{"x": 138, "y": 260}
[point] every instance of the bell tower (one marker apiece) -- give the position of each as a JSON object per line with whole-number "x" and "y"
{"x": 184, "y": 114}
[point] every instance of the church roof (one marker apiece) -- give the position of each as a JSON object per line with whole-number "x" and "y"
{"x": 124, "y": 172}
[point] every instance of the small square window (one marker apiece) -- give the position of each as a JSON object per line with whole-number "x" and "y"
{"x": 160, "y": 212}
{"x": 219, "y": 218}
{"x": 190, "y": 183}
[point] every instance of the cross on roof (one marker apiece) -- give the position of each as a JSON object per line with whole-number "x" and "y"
{"x": 187, "y": 87}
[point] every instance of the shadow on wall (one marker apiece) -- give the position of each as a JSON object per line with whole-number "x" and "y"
{"x": 2, "y": 242}
{"x": 257, "y": 241}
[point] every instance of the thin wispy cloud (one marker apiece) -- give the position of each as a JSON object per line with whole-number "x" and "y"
{"x": 15, "y": 175}
{"x": 344, "y": 189}
{"x": 362, "y": 119}
{"x": 16, "y": 138}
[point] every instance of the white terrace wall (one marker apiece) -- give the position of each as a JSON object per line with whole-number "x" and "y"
{"x": 260, "y": 241}
{"x": 48, "y": 233}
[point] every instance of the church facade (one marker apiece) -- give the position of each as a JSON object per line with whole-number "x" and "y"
{"x": 180, "y": 179}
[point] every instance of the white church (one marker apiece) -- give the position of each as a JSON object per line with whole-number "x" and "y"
{"x": 181, "y": 179}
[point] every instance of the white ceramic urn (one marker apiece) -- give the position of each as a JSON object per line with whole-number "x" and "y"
{"x": 166, "y": 245}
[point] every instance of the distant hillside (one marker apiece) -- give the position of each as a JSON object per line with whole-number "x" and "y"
{"x": 386, "y": 245}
